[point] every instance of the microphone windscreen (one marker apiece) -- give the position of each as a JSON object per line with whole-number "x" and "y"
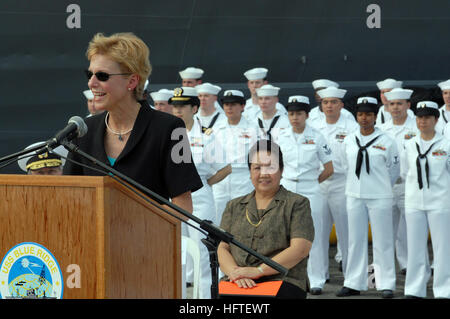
{"x": 79, "y": 122}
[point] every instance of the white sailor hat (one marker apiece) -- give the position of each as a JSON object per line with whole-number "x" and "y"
{"x": 427, "y": 108}
{"x": 366, "y": 100}
{"x": 298, "y": 103}
{"x": 367, "y": 104}
{"x": 208, "y": 88}
{"x": 389, "y": 84}
{"x": 191, "y": 73}
{"x": 162, "y": 95}
{"x": 332, "y": 92}
{"x": 324, "y": 83}
{"x": 52, "y": 159}
{"x": 398, "y": 94}
{"x": 298, "y": 99}
{"x": 88, "y": 94}
{"x": 444, "y": 85}
{"x": 231, "y": 96}
{"x": 256, "y": 74}
{"x": 267, "y": 90}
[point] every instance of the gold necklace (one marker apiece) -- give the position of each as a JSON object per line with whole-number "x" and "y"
{"x": 248, "y": 219}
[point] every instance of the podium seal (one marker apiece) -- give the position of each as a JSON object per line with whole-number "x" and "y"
{"x": 30, "y": 271}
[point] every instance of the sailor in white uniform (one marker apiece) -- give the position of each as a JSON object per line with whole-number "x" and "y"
{"x": 383, "y": 112}
{"x": 373, "y": 167}
{"x": 447, "y": 131}
{"x": 305, "y": 150}
{"x": 269, "y": 119}
{"x": 427, "y": 205}
{"x": 335, "y": 128}
{"x": 401, "y": 128}
{"x": 256, "y": 78}
{"x": 210, "y": 112}
{"x": 191, "y": 76}
{"x": 235, "y": 137}
{"x": 161, "y": 100}
{"x": 185, "y": 104}
{"x": 316, "y": 112}
{"x": 444, "y": 111}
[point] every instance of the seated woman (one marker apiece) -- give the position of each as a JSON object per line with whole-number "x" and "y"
{"x": 272, "y": 221}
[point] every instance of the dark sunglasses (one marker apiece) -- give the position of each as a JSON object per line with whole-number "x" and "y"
{"x": 102, "y": 76}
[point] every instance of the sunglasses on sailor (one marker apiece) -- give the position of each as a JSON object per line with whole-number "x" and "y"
{"x": 102, "y": 76}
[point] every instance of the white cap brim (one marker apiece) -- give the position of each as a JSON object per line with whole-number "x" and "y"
{"x": 60, "y": 150}
{"x": 332, "y": 92}
{"x": 398, "y": 94}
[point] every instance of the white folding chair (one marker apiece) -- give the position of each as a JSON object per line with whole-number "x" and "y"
{"x": 194, "y": 251}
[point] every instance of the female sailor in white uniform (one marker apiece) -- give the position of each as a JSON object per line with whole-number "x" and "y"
{"x": 185, "y": 104}
{"x": 373, "y": 167}
{"x": 305, "y": 149}
{"x": 427, "y": 205}
{"x": 235, "y": 137}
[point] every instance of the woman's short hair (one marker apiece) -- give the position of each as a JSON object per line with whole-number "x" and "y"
{"x": 129, "y": 51}
{"x": 266, "y": 146}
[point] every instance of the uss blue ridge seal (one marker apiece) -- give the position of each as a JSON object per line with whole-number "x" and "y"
{"x": 29, "y": 270}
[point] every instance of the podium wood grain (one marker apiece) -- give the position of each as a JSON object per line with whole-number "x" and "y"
{"x": 125, "y": 247}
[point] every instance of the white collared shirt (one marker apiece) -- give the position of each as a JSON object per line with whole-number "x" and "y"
{"x": 251, "y": 110}
{"x": 202, "y": 151}
{"x": 235, "y": 141}
{"x": 303, "y": 154}
{"x": 386, "y": 116}
{"x": 317, "y": 114}
{"x": 281, "y": 124}
{"x": 401, "y": 134}
{"x": 335, "y": 135}
{"x": 447, "y": 131}
{"x": 384, "y": 164}
{"x": 206, "y": 120}
{"x": 436, "y": 196}
{"x": 444, "y": 118}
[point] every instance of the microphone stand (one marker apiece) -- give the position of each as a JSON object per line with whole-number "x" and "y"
{"x": 23, "y": 152}
{"x": 215, "y": 234}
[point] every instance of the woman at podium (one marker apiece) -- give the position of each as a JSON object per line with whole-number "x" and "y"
{"x": 271, "y": 220}
{"x": 129, "y": 135}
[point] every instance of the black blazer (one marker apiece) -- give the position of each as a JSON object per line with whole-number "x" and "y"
{"x": 147, "y": 156}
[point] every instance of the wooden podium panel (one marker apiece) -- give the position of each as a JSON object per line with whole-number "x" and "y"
{"x": 125, "y": 247}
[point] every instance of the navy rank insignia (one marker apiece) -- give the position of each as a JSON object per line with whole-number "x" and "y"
{"x": 178, "y": 92}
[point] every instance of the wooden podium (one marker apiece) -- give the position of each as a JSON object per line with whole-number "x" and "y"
{"x": 125, "y": 247}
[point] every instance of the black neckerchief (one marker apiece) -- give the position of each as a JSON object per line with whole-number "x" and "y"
{"x": 359, "y": 158}
{"x": 274, "y": 121}
{"x": 443, "y": 116}
{"x": 419, "y": 169}
{"x": 211, "y": 124}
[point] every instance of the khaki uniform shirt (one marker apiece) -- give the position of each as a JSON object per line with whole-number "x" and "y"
{"x": 287, "y": 216}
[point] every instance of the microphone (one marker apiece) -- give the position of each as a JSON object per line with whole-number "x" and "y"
{"x": 76, "y": 127}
